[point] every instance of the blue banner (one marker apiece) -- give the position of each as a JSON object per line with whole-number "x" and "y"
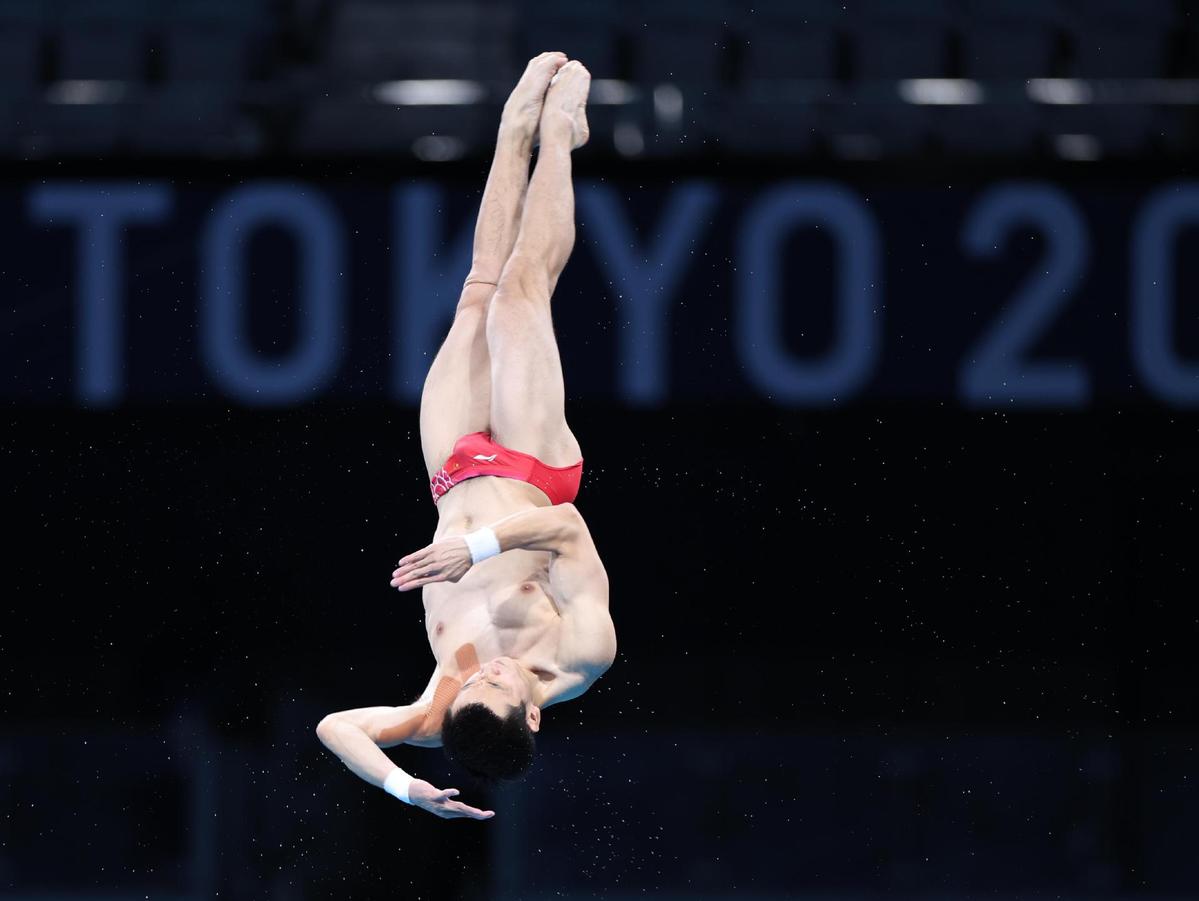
{"x": 805, "y": 293}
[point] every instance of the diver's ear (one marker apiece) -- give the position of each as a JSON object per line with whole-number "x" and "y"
{"x": 533, "y": 717}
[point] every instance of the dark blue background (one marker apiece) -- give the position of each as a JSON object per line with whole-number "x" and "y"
{"x": 899, "y": 646}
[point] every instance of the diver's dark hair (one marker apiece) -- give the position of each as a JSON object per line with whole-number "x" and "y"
{"x": 487, "y": 747}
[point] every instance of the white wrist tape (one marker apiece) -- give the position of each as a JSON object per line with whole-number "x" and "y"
{"x": 482, "y": 543}
{"x": 397, "y": 783}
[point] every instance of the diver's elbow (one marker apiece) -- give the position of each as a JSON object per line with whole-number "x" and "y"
{"x": 326, "y": 727}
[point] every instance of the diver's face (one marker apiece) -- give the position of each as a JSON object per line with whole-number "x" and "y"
{"x": 497, "y": 685}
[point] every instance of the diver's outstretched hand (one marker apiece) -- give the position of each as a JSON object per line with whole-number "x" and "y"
{"x": 442, "y": 803}
{"x": 442, "y": 561}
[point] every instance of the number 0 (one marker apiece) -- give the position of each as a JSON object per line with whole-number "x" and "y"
{"x": 1153, "y": 351}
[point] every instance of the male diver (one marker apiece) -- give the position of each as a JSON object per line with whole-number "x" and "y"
{"x": 515, "y": 595}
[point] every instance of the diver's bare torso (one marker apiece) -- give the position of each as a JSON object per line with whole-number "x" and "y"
{"x": 505, "y": 606}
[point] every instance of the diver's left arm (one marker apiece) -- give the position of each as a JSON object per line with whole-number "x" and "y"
{"x": 579, "y": 582}
{"x": 557, "y": 529}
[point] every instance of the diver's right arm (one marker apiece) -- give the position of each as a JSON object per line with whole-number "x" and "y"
{"x": 555, "y": 529}
{"x": 358, "y": 736}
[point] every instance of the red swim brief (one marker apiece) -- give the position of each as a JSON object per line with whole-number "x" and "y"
{"x": 477, "y": 455}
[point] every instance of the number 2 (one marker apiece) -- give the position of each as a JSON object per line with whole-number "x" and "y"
{"x": 997, "y": 372}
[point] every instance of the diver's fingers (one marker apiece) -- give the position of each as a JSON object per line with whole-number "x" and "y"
{"x": 465, "y": 810}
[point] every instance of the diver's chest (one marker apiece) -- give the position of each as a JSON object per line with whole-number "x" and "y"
{"x": 525, "y": 603}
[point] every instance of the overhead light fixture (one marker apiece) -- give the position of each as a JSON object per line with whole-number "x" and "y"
{"x": 82, "y": 91}
{"x": 1077, "y": 147}
{"x": 438, "y": 148}
{"x": 668, "y": 104}
{"x": 430, "y": 92}
{"x": 611, "y": 91}
{"x": 941, "y": 91}
{"x": 1059, "y": 91}
{"x": 627, "y": 139}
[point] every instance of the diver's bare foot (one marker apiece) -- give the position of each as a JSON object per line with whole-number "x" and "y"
{"x": 566, "y": 104}
{"x": 522, "y": 112}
